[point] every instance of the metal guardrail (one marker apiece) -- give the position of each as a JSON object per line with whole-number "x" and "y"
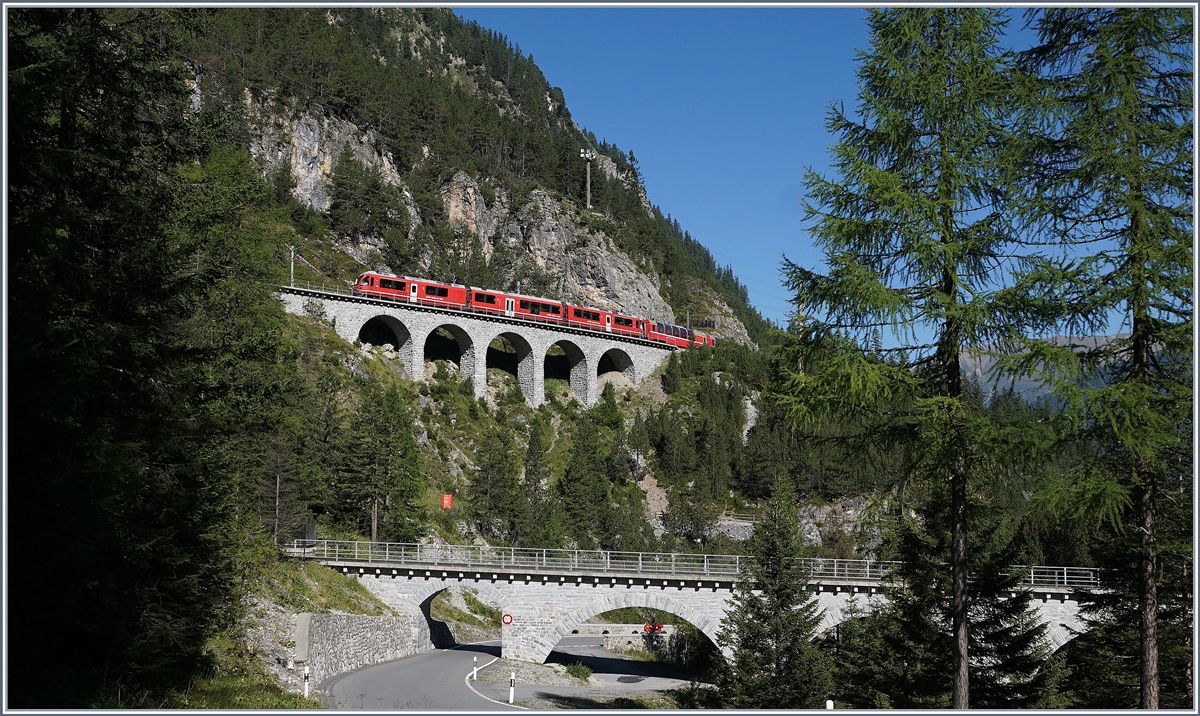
{"x": 339, "y": 290}
{"x": 578, "y": 561}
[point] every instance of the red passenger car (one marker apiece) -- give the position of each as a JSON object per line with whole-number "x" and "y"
{"x": 513, "y": 305}
{"x": 386, "y": 285}
{"x": 589, "y": 318}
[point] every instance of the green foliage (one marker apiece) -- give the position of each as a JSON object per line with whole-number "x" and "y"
{"x": 307, "y": 587}
{"x": 673, "y": 376}
{"x": 579, "y": 671}
{"x": 363, "y": 206}
{"x": 909, "y": 234}
{"x": 772, "y": 622}
{"x": 1107, "y": 167}
{"x": 145, "y": 356}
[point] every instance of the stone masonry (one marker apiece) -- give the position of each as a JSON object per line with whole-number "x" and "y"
{"x": 546, "y": 607}
{"x": 413, "y": 325}
{"x": 330, "y": 644}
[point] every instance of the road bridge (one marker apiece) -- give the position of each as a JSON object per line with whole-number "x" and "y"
{"x": 550, "y": 592}
{"x": 411, "y": 327}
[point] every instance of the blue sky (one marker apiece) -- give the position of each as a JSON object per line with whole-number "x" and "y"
{"x": 724, "y": 108}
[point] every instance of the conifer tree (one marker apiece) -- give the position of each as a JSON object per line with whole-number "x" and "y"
{"x": 769, "y": 630}
{"x": 382, "y": 472}
{"x": 672, "y": 378}
{"x": 1108, "y": 165}
{"x": 913, "y": 234}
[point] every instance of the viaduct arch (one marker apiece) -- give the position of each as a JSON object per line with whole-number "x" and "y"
{"x": 410, "y": 329}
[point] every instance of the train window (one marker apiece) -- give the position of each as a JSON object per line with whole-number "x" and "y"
{"x": 388, "y": 283}
{"x": 554, "y": 309}
{"x": 623, "y": 321}
{"x": 524, "y": 305}
{"x": 484, "y": 298}
{"x": 436, "y": 291}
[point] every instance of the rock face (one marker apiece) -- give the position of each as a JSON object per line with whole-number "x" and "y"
{"x": 717, "y": 317}
{"x": 308, "y": 147}
{"x": 589, "y": 269}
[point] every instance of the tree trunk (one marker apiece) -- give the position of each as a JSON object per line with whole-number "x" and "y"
{"x": 1148, "y": 591}
{"x": 958, "y": 509}
{"x": 277, "y": 480}
{"x": 374, "y": 517}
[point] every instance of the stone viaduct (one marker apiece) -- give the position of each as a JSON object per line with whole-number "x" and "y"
{"x": 410, "y": 328}
{"x": 548, "y": 601}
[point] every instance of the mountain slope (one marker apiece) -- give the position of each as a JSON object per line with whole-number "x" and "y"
{"x": 435, "y": 147}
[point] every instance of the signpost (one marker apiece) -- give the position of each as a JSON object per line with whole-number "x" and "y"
{"x": 447, "y": 502}
{"x": 507, "y": 619}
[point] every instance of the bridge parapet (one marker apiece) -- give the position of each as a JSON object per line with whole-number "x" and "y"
{"x": 622, "y": 565}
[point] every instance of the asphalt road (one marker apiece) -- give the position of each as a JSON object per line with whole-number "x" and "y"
{"x": 436, "y": 680}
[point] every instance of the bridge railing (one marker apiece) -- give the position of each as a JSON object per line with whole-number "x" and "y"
{"x": 660, "y": 564}
{"x": 471, "y": 556}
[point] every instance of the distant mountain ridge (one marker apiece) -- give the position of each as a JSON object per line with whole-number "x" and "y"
{"x": 981, "y": 367}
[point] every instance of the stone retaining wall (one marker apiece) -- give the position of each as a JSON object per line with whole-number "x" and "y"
{"x": 337, "y": 643}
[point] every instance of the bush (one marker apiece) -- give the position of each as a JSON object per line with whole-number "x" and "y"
{"x": 579, "y": 671}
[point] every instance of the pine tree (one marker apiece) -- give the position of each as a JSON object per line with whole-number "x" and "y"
{"x": 912, "y": 236}
{"x": 672, "y": 379}
{"x": 769, "y": 629}
{"x": 494, "y": 491}
{"x": 1108, "y": 166}
{"x": 381, "y": 477}
{"x": 583, "y": 488}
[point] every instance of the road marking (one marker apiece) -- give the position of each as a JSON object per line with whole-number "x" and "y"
{"x": 467, "y": 681}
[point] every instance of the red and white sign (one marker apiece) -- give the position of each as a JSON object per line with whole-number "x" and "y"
{"x": 507, "y": 619}
{"x": 447, "y": 502}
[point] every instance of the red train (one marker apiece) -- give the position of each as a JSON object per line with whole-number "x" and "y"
{"x": 531, "y": 308}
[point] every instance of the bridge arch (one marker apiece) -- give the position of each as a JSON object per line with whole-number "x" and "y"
{"x": 654, "y": 600}
{"x": 383, "y": 330}
{"x": 447, "y": 341}
{"x": 570, "y": 359}
{"x": 616, "y": 359}
{"x": 518, "y": 360}
{"x": 431, "y": 588}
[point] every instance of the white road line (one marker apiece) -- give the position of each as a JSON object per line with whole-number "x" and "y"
{"x": 467, "y": 681}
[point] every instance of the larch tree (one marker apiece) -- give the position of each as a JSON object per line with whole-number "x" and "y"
{"x": 1108, "y": 170}
{"x": 915, "y": 239}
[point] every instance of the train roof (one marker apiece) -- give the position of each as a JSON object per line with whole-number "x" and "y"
{"x": 519, "y": 295}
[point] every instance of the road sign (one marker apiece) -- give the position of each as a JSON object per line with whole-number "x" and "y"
{"x": 447, "y": 502}
{"x": 507, "y": 619}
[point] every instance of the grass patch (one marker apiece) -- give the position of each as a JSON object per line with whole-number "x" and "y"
{"x": 639, "y": 615}
{"x": 480, "y": 615}
{"x": 308, "y": 587}
{"x": 491, "y": 615}
{"x": 232, "y": 680}
{"x": 226, "y": 691}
